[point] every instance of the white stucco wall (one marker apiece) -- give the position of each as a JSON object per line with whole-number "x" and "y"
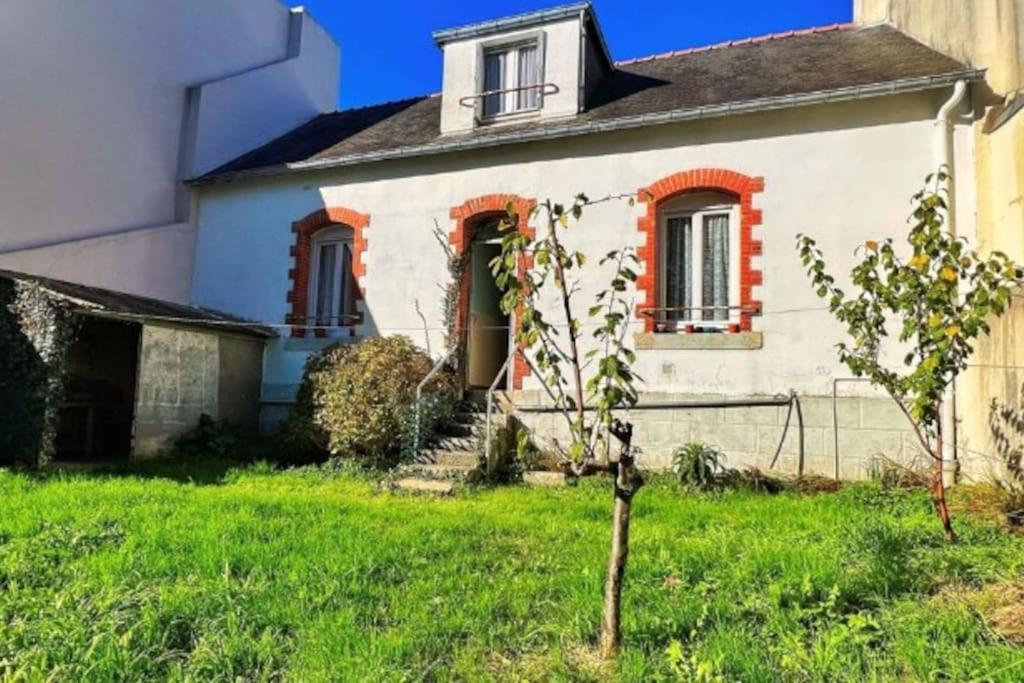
{"x": 463, "y": 72}
{"x": 95, "y": 133}
{"x": 843, "y": 173}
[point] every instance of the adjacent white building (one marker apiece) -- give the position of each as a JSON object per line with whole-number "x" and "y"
{"x": 109, "y": 104}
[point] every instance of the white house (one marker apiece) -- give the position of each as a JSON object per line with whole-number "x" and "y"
{"x": 108, "y": 105}
{"x": 730, "y": 150}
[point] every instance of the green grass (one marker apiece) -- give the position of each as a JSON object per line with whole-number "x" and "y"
{"x": 299, "y": 577}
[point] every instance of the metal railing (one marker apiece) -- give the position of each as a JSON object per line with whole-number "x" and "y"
{"x": 503, "y": 372}
{"x": 545, "y": 89}
{"x": 685, "y": 314}
{"x": 419, "y": 397}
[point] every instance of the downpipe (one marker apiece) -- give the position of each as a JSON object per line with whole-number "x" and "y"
{"x": 943, "y": 158}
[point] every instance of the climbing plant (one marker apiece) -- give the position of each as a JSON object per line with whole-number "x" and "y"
{"x": 937, "y": 294}
{"x": 36, "y": 332}
{"x": 587, "y": 389}
{"x": 456, "y": 265}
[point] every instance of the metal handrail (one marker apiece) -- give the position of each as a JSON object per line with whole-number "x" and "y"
{"x": 545, "y": 89}
{"x": 490, "y": 407}
{"x": 419, "y": 395}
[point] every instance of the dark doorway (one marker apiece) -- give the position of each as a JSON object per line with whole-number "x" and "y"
{"x": 99, "y": 403}
{"x": 488, "y": 335}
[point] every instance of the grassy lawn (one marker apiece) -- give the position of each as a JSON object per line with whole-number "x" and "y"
{"x": 292, "y": 576}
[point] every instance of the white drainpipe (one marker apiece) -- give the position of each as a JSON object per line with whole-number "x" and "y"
{"x": 943, "y": 158}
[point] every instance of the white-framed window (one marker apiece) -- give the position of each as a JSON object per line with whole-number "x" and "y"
{"x": 699, "y": 277}
{"x": 513, "y": 75}
{"x": 332, "y": 294}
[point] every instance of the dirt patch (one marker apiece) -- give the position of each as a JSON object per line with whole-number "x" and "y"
{"x": 999, "y": 605}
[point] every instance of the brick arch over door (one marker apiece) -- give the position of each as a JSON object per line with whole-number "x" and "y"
{"x": 304, "y": 229}
{"x": 468, "y": 216}
{"x": 737, "y": 185}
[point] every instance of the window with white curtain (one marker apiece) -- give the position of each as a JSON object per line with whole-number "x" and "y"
{"x": 699, "y": 263}
{"x": 512, "y": 76}
{"x": 332, "y": 285}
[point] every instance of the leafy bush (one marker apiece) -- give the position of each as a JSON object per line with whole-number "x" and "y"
{"x": 354, "y": 399}
{"x": 697, "y": 465}
{"x": 300, "y": 439}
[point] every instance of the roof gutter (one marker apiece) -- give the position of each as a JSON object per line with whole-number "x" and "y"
{"x": 573, "y": 129}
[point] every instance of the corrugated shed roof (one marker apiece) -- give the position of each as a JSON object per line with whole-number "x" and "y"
{"x": 99, "y": 301}
{"x": 768, "y": 69}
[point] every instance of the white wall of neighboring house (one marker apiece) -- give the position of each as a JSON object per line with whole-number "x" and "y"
{"x": 108, "y": 104}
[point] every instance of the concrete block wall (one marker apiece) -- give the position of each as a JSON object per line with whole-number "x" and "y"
{"x": 178, "y": 373}
{"x": 749, "y": 437}
{"x": 184, "y": 374}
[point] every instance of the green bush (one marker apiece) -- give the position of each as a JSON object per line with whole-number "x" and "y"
{"x": 355, "y": 400}
{"x": 210, "y": 439}
{"x": 697, "y": 465}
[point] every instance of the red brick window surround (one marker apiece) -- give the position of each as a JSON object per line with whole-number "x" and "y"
{"x": 304, "y": 230}
{"x": 468, "y": 216}
{"x": 736, "y": 185}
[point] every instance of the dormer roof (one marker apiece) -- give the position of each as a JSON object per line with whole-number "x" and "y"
{"x": 526, "y": 20}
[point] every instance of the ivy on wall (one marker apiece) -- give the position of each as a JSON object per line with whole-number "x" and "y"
{"x": 36, "y": 332}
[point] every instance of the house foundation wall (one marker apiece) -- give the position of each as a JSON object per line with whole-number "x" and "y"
{"x": 870, "y": 429}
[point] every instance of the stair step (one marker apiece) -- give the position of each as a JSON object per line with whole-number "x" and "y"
{"x": 456, "y": 443}
{"x": 435, "y": 471}
{"x": 427, "y": 486}
{"x": 462, "y": 430}
{"x": 452, "y": 458}
{"x": 544, "y": 478}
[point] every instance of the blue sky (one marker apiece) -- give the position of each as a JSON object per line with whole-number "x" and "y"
{"x": 387, "y": 52}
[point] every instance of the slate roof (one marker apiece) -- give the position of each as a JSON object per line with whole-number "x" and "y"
{"x": 99, "y": 301}
{"x": 773, "y": 71}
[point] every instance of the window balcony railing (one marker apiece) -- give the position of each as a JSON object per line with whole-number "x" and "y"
{"x": 691, "y": 318}
{"x": 544, "y": 88}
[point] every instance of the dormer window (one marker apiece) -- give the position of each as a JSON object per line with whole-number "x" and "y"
{"x": 512, "y": 81}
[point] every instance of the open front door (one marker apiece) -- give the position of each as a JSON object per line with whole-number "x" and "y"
{"x": 488, "y": 335}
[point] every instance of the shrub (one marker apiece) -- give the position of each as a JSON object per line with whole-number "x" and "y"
{"x": 210, "y": 439}
{"x": 300, "y": 438}
{"x": 360, "y": 395}
{"x": 697, "y": 465}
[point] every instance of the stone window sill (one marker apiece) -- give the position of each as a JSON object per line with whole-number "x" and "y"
{"x": 707, "y": 341}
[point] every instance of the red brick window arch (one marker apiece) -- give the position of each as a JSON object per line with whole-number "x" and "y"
{"x": 470, "y": 215}
{"x": 332, "y": 242}
{"x": 703, "y": 219}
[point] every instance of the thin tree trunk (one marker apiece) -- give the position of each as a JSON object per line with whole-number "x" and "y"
{"x": 941, "y": 506}
{"x": 574, "y": 354}
{"x": 939, "y": 487}
{"x": 627, "y": 481}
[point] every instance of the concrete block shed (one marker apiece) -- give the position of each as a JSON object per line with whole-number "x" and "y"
{"x": 138, "y": 372}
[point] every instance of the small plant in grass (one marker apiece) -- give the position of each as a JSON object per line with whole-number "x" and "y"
{"x": 698, "y": 465}
{"x": 938, "y": 294}
{"x": 530, "y": 267}
{"x": 210, "y": 439}
{"x": 510, "y": 453}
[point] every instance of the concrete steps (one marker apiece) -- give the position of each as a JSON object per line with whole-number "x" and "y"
{"x": 453, "y": 455}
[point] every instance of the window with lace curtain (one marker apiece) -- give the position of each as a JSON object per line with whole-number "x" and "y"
{"x": 699, "y": 269}
{"x": 512, "y": 79}
{"x": 332, "y": 284}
